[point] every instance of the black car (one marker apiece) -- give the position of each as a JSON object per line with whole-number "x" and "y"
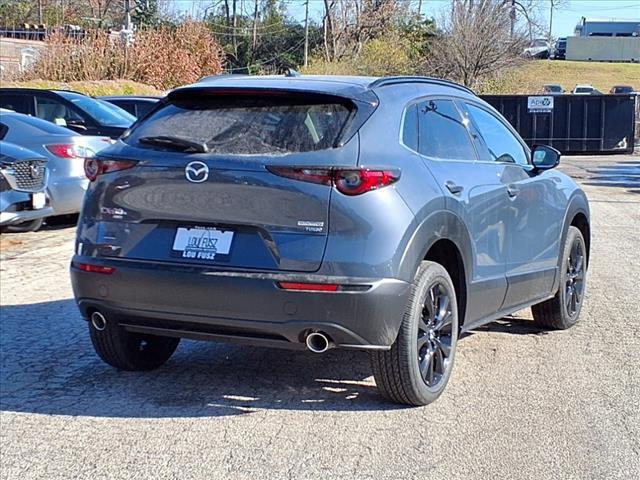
{"x": 624, "y": 89}
{"x": 135, "y": 105}
{"x": 560, "y": 50}
{"x": 81, "y": 113}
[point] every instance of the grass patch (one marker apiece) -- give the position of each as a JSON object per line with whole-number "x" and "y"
{"x": 530, "y": 77}
{"x": 94, "y": 88}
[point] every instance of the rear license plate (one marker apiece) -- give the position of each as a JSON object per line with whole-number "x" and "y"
{"x": 38, "y": 200}
{"x": 202, "y": 243}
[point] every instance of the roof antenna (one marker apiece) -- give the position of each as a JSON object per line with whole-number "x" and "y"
{"x": 290, "y": 72}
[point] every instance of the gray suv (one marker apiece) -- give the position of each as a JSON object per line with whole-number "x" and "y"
{"x": 380, "y": 214}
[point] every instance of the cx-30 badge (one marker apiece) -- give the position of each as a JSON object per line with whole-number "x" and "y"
{"x": 196, "y": 172}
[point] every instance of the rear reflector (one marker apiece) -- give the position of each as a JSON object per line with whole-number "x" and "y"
{"x": 87, "y": 267}
{"x": 310, "y": 287}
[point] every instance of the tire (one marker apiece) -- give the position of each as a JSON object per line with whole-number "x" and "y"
{"x": 400, "y": 372}
{"x": 131, "y": 351}
{"x": 30, "y": 226}
{"x": 563, "y": 310}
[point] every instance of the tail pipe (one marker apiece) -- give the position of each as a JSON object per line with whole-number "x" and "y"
{"x": 318, "y": 342}
{"x": 98, "y": 321}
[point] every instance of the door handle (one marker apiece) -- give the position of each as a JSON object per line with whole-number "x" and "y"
{"x": 513, "y": 191}
{"x": 453, "y": 188}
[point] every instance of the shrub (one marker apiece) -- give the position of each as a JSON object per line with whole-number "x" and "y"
{"x": 163, "y": 57}
{"x": 380, "y": 56}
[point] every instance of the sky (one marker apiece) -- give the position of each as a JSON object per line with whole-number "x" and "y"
{"x": 565, "y": 17}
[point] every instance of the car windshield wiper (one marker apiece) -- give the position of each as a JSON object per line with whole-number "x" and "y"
{"x": 175, "y": 142}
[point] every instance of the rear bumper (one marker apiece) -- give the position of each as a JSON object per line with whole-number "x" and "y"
{"x": 203, "y": 303}
{"x": 67, "y": 194}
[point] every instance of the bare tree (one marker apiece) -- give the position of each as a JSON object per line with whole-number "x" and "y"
{"x": 349, "y": 24}
{"x": 476, "y": 42}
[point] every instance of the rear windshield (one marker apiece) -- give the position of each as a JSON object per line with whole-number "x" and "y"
{"x": 249, "y": 124}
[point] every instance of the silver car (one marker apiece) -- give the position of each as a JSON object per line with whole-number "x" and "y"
{"x": 23, "y": 178}
{"x": 65, "y": 150}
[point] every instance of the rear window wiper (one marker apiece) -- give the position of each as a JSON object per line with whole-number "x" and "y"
{"x": 175, "y": 142}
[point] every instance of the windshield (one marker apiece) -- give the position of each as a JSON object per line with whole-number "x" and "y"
{"x": 103, "y": 112}
{"x": 583, "y": 90}
{"x": 245, "y": 124}
{"x": 553, "y": 88}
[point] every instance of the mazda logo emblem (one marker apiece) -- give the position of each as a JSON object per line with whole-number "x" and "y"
{"x": 35, "y": 171}
{"x": 196, "y": 172}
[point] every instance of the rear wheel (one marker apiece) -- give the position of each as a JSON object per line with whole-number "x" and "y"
{"x": 131, "y": 351}
{"x": 563, "y": 310}
{"x": 417, "y": 368}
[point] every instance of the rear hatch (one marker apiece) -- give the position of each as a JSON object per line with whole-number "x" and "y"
{"x": 203, "y": 191}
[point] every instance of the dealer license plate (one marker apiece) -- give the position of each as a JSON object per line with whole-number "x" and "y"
{"x": 202, "y": 243}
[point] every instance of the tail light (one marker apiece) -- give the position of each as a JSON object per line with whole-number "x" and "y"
{"x": 349, "y": 181}
{"x": 94, "y": 167}
{"x": 63, "y": 150}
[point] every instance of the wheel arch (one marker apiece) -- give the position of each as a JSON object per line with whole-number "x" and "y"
{"x": 443, "y": 238}
{"x": 576, "y": 215}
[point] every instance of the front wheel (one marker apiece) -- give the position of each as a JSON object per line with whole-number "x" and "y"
{"x": 22, "y": 227}
{"x": 417, "y": 368}
{"x": 563, "y": 310}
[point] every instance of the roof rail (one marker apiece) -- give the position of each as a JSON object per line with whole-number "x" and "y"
{"x": 381, "y": 82}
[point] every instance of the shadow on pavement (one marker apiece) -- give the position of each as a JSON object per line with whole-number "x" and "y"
{"x": 622, "y": 174}
{"x": 49, "y": 367}
{"x": 513, "y": 326}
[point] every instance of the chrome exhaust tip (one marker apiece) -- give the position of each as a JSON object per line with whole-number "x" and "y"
{"x": 98, "y": 321}
{"x": 318, "y": 342}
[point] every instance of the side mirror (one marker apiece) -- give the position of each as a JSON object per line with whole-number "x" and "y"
{"x": 545, "y": 157}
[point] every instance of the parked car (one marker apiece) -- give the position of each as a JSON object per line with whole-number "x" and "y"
{"x": 65, "y": 150}
{"x": 78, "y": 112}
{"x": 560, "y": 50}
{"x": 381, "y": 214}
{"x": 539, "y": 48}
{"x": 625, "y": 89}
{"x": 23, "y": 179}
{"x": 552, "y": 89}
{"x": 585, "y": 89}
{"x": 135, "y": 105}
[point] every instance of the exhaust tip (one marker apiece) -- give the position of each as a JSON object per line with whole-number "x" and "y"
{"x": 98, "y": 321}
{"x": 318, "y": 342}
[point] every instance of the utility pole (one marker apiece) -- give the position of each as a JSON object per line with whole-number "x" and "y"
{"x": 512, "y": 17}
{"x": 127, "y": 15}
{"x": 306, "y": 33}
{"x": 40, "y": 12}
{"x": 552, "y": 4}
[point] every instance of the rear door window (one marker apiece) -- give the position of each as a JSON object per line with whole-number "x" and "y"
{"x": 17, "y": 102}
{"x": 442, "y": 133}
{"x": 55, "y": 111}
{"x": 249, "y": 124}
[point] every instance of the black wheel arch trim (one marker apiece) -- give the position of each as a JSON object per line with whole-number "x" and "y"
{"x": 578, "y": 204}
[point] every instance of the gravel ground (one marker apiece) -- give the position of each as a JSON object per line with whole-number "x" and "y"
{"x": 522, "y": 403}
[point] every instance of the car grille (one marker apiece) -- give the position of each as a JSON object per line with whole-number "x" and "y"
{"x": 29, "y": 175}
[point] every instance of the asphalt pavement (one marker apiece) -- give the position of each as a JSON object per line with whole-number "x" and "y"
{"x": 522, "y": 402}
